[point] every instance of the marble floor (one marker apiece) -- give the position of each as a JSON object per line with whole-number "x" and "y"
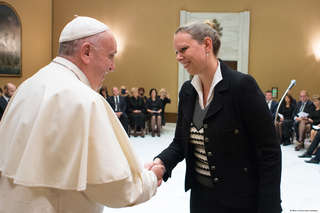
{"x": 300, "y": 187}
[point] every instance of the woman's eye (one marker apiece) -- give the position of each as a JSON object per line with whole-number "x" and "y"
{"x": 183, "y": 49}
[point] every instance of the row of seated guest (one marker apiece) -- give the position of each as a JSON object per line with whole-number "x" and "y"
{"x": 134, "y": 110}
{"x": 301, "y": 116}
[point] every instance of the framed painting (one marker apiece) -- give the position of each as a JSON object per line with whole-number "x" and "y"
{"x": 10, "y": 41}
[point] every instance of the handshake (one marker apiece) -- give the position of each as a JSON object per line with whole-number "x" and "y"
{"x": 158, "y": 169}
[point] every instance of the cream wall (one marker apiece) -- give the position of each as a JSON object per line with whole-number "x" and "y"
{"x": 281, "y": 37}
{"x": 36, "y": 22}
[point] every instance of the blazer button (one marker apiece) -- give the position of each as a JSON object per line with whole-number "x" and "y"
{"x": 205, "y": 126}
{"x": 245, "y": 169}
{"x": 210, "y": 154}
{"x": 216, "y": 180}
{"x": 206, "y": 139}
{"x": 236, "y": 131}
{"x": 213, "y": 168}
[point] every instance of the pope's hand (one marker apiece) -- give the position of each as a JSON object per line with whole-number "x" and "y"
{"x": 158, "y": 169}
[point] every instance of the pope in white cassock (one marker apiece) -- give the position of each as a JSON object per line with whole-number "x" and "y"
{"x": 62, "y": 149}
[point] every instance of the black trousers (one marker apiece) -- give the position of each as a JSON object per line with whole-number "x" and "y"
{"x": 125, "y": 122}
{"x": 314, "y": 143}
{"x": 205, "y": 200}
{"x": 286, "y": 131}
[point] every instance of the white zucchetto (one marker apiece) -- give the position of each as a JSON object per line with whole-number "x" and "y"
{"x": 81, "y": 27}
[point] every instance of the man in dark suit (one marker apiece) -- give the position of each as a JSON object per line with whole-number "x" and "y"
{"x": 304, "y": 105}
{"x": 9, "y": 89}
{"x": 119, "y": 105}
{"x": 272, "y": 105}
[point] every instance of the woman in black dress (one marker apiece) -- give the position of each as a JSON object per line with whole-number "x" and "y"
{"x": 314, "y": 117}
{"x": 136, "y": 112}
{"x": 285, "y": 122}
{"x": 154, "y": 111}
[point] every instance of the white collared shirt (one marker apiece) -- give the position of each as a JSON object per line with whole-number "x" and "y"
{"x": 116, "y": 103}
{"x": 196, "y": 83}
{"x": 74, "y": 68}
{"x": 269, "y": 104}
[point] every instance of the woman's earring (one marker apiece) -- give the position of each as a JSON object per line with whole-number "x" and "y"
{"x": 207, "y": 53}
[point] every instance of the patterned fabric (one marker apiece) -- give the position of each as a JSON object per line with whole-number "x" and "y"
{"x": 197, "y": 139}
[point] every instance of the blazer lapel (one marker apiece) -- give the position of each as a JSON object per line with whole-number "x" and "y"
{"x": 188, "y": 103}
{"x": 217, "y": 102}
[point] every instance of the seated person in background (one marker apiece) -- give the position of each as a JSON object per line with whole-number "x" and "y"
{"x": 9, "y": 90}
{"x": 123, "y": 91}
{"x": 285, "y": 122}
{"x": 165, "y": 99}
{"x": 301, "y": 121}
{"x": 271, "y": 103}
{"x": 104, "y": 92}
{"x": 119, "y": 106}
{"x": 313, "y": 147}
{"x": 141, "y": 94}
{"x": 315, "y": 159}
{"x": 314, "y": 117}
{"x": 154, "y": 111}
{"x": 136, "y": 112}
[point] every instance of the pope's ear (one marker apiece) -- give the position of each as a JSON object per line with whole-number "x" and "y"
{"x": 85, "y": 52}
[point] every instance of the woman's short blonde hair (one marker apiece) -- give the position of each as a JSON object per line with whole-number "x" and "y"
{"x": 162, "y": 90}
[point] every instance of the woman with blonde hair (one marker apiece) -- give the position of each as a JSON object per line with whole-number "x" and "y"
{"x": 165, "y": 99}
{"x": 224, "y": 131}
{"x": 314, "y": 117}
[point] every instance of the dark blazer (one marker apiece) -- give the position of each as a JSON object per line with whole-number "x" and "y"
{"x": 122, "y": 103}
{"x": 273, "y": 108}
{"x": 136, "y": 104}
{"x": 240, "y": 142}
{"x": 3, "y": 105}
{"x": 154, "y": 105}
{"x": 287, "y": 112}
{"x": 310, "y": 107}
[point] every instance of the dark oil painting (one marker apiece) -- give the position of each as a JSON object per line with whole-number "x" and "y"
{"x": 10, "y": 42}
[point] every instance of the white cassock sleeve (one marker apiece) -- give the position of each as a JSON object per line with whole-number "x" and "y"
{"x": 126, "y": 192}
